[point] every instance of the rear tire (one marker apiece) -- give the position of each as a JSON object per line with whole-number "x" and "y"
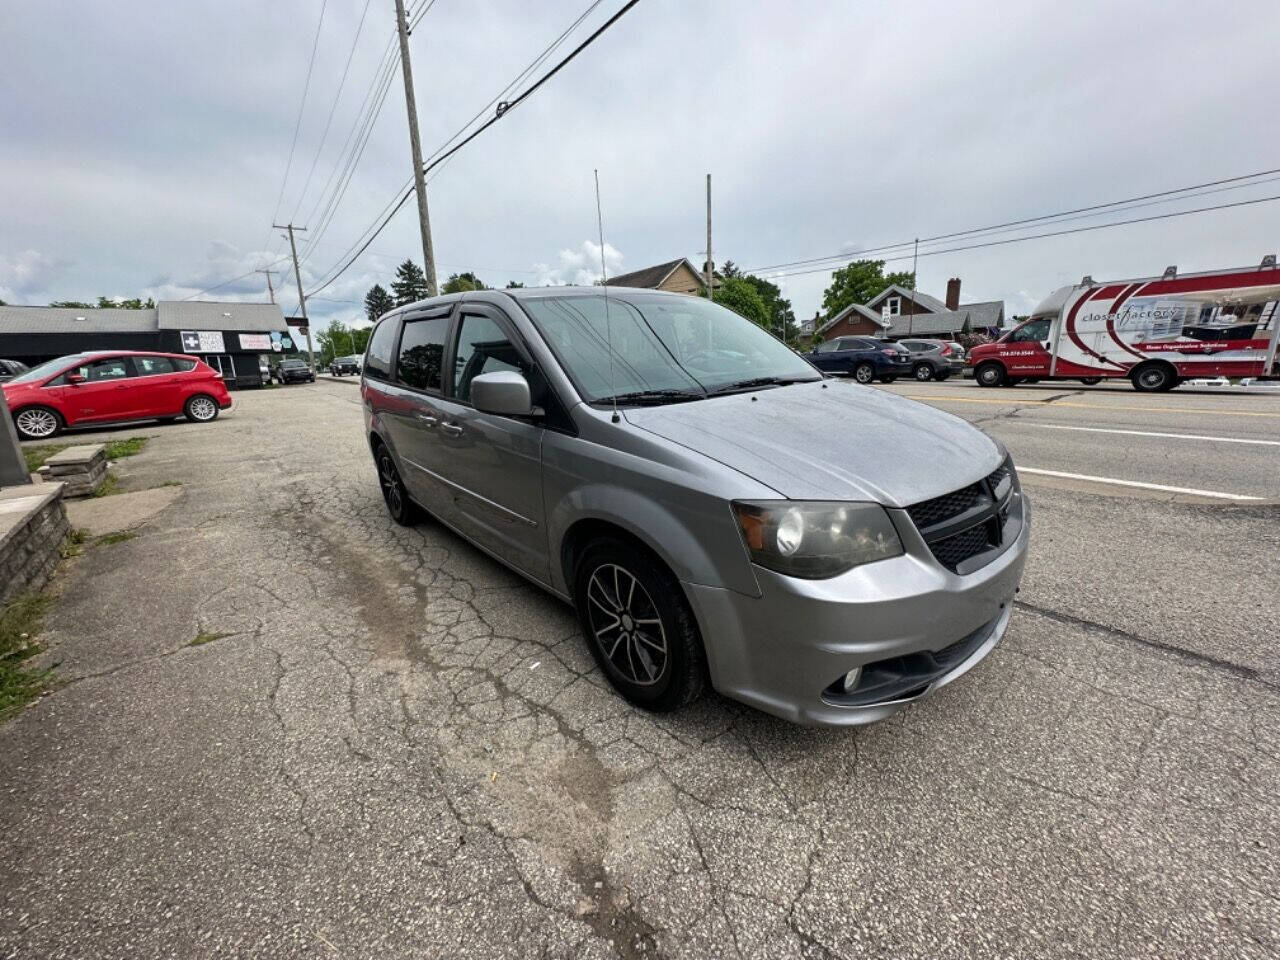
{"x": 864, "y": 373}
{"x": 639, "y": 626}
{"x": 402, "y": 509}
{"x": 201, "y": 408}
{"x": 38, "y": 423}
{"x": 923, "y": 372}
{"x": 1154, "y": 378}
{"x": 990, "y": 374}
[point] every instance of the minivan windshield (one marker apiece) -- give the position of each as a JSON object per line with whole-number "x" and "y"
{"x": 661, "y": 348}
{"x": 48, "y": 368}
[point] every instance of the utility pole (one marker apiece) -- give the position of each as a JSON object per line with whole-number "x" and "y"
{"x": 710, "y": 277}
{"x": 270, "y": 290}
{"x": 297, "y": 275}
{"x": 419, "y": 178}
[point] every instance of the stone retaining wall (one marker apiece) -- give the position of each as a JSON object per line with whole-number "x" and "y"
{"x": 33, "y": 526}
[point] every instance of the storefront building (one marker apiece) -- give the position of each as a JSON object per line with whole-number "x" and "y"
{"x": 236, "y": 339}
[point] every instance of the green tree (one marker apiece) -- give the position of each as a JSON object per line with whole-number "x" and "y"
{"x": 514, "y": 284}
{"x": 410, "y": 284}
{"x": 782, "y": 320}
{"x": 860, "y": 282}
{"x": 377, "y": 302}
{"x": 730, "y": 269}
{"x": 462, "y": 282}
{"x": 360, "y": 339}
{"x": 966, "y": 328}
{"x": 77, "y": 304}
{"x": 335, "y": 340}
{"x": 743, "y": 299}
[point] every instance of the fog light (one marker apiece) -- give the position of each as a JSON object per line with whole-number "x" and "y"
{"x": 851, "y": 679}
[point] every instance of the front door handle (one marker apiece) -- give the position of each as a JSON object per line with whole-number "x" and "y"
{"x": 426, "y": 419}
{"x": 452, "y": 429}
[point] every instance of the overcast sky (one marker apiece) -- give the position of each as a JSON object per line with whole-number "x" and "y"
{"x": 143, "y": 144}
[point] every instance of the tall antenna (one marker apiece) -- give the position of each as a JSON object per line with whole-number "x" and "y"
{"x": 604, "y": 284}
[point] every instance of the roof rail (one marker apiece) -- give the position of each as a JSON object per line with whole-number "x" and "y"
{"x": 1268, "y": 262}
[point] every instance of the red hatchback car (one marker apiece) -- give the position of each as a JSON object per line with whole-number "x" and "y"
{"x": 109, "y": 386}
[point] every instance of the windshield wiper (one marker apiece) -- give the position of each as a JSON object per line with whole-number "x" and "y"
{"x": 644, "y": 397}
{"x": 739, "y": 386}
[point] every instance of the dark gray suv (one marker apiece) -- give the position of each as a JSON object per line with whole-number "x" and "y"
{"x": 715, "y": 509}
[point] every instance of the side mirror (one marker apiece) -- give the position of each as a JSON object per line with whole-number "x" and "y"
{"x": 504, "y": 392}
{"x": 75, "y": 378}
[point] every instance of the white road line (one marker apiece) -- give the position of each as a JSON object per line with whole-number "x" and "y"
{"x": 1150, "y": 433}
{"x": 1216, "y": 494}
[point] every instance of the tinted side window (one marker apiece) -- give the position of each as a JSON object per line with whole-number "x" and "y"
{"x": 422, "y": 353}
{"x": 1035, "y": 330}
{"x": 152, "y": 366}
{"x": 829, "y": 346}
{"x": 183, "y": 366}
{"x": 483, "y": 347}
{"x": 377, "y": 359}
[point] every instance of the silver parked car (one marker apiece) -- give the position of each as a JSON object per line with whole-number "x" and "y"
{"x": 716, "y": 510}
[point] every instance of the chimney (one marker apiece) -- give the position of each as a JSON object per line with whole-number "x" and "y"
{"x": 953, "y": 293}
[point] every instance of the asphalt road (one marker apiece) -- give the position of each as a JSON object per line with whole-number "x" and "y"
{"x": 399, "y": 749}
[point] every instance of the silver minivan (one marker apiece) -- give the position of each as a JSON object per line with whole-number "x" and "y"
{"x": 715, "y": 508}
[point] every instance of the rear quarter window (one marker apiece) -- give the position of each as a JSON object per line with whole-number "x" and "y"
{"x": 377, "y": 358}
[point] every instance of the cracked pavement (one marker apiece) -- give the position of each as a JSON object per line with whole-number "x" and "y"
{"x": 400, "y": 749}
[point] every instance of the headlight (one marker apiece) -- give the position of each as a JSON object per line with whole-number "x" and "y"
{"x": 815, "y": 540}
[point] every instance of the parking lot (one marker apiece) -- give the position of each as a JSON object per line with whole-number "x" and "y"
{"x": 387, "y": 745}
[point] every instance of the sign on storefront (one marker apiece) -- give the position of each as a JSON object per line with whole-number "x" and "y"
{"x": 202, "y": 341}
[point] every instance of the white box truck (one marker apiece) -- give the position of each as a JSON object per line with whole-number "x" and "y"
{"x": 1156, "y": 331}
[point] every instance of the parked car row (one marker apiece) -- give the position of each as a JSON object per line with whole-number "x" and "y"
{"x": 671, "y": 469}
{"x": 113, "y": 386}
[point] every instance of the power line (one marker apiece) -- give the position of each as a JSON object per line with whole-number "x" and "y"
{"x": 247, "y": 273}
{"x": 306, "y": 87}
{"x": 533, "y": 65}
{"x": 1055, "y": 233}
{"x": 1028, "y": 220}
{"x": 355, "y": 41}
{"x": 503, "y": 111}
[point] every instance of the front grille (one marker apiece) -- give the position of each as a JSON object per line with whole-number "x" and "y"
{"x": 953, "y": 551}
{"x": 968, "y": 522}
{"x": 946, "y": 506}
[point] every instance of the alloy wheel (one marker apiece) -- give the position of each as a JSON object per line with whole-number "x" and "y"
{"x": 202, "y": 408}
{"x": 864, "y": 373}
{"x": 389, "y": 479}
{"x": 37, "y": 423}
{"x": 923, "y": 372}
{"x": 626, "y": 625}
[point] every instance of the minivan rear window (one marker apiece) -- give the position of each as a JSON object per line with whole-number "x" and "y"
{"x": 377, "y": 361}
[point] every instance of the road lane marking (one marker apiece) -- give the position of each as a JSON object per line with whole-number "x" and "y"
{"x": 1151, "y": 433}
{"x": 929, "y": 397}
{"x": 1216, "y": 494}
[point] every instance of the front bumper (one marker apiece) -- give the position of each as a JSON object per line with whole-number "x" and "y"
{"x": 782, "y": 651}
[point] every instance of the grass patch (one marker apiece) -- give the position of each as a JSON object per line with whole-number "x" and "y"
{"x": 20, "y": 621}
{"x": 204, "y": 637}
{"x": 129, "y": 447}
{"x": 109, "y": 484}
{"x": 36, "y": 456}
{"x": 120, "y": 536}
{"x": 73, "y": 546}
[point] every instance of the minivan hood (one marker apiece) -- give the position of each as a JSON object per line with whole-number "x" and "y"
{"x": 831, "y": 440}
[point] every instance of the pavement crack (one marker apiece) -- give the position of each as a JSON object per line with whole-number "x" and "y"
{"x": 1192, "y": 656}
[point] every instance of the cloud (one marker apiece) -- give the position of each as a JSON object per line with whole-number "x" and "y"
{"x": 25, "y": 272}
{"x": 580, "y": 267}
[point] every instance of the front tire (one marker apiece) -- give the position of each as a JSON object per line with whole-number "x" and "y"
{"x": 989, "y": 375}
{"x": 201, "y": 408}
{"x": 923, "y": 372}
{"x": 38, "y": 423}
{"x": 639, "y": 626}
{"x": 864, "y": 373}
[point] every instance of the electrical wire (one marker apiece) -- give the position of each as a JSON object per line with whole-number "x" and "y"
{"x": 1055, "y": 233}
{"x": 1171, "y": 194}
{"x": 443, "y": 157}
{"x": 355, "y": 41}
{"x": 224, "y": 283}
